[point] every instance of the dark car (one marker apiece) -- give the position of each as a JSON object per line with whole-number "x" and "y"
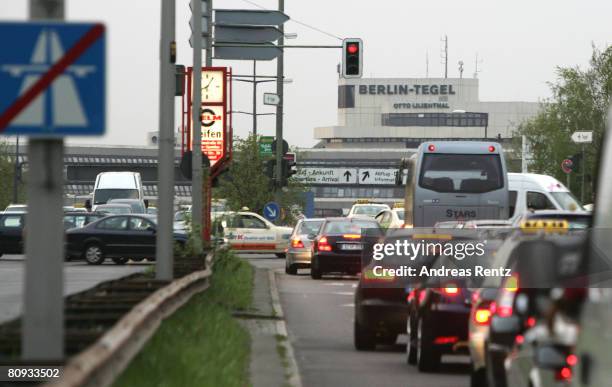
{"x": 337, "y": 247}
{"x": 76, "y": 219}
{"x": 119, "y": 237}
{"x": 11, "y": 232}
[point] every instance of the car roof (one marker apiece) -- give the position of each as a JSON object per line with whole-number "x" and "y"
{"x": 313, "y": 220}
{"x": 81, "y": 213}
{"x": 119, "y": 200}
{"x": 535, "y": 214}
{"x": 350, "y": 219}
{"x": 113, "y": 205}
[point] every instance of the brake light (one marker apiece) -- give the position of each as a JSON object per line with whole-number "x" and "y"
{"x": 351, "y": 236}
{"x": 531, "y": 322}
{"x": 446, "y": 340}
{"x": 422, "y": 295}
{"x": 431, "y": 148}
{"x": 491, "y": 148}
{"x": 520, "y": 339}
{"x": 482, "y": 316}
{"x": 410, "y": 296}
{"x": 297, "y": 243}
{"x": 503, "y": 311}
{"x": 564, "y": 374}
{"x": 571, "y": 360}
{"x": 323, "y": 245}
{"x": 450, "y": 290}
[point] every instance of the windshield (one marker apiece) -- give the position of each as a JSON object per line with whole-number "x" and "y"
{"x": 180, "y": 216}
{"x": 400, "y": 214}
{"x": 310, "y": 227}
{"x": 567, "y": 201}
{"x": 343, "y": 227}
{"x": 102, "y": 196}
{"x": 368, "y": 210}
{"x": 461, "y": 173}
{"x": 115, "y": 210}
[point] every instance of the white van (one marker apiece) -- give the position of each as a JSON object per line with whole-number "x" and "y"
{"x": 117, "y": 185}
{"x": 530, "y": 191}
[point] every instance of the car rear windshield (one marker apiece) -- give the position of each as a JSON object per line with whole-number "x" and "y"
{"x": 400, "y": 214}
{"x": 369, "y": 210}
{"x": 459, "y": 173}
{"x": 310, "y": 227}
{"x": 102, "y": 196}
{"x": 344, "y": 227}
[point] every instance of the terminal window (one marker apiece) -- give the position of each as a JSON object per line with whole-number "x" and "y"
{"x": 435, "y": 119}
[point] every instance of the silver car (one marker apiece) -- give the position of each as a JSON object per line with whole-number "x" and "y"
{"x": 299, "y": 252}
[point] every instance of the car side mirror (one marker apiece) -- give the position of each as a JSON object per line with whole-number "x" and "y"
{"x": 550, "y": 357}
{"x": 151, "y": 228}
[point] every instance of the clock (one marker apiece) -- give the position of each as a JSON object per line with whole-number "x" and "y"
{"x": 213, "y": 84}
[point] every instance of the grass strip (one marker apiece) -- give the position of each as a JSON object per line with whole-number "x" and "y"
{"x": 201, "y": 344}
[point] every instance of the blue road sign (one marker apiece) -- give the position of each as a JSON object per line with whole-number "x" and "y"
{"x": 271, "y": 211}
{"x": 53, "y": 79}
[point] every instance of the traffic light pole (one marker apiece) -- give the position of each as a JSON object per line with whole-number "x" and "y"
{"x": 255, "y": 99}
{"x": 280, "y": 74}
{"x": 164, "y": 246}
{"x": 583, "y": 176}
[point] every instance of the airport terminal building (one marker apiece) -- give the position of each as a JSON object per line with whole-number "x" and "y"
{"x": 381, "y": 120}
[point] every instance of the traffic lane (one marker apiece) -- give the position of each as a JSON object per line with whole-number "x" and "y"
{"x": 78, "y": 276}
{"x": 320, "y": 318}
{"x": 264, "y": 261}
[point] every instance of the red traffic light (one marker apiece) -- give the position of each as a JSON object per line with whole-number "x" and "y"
{"x": 352, "y": 48}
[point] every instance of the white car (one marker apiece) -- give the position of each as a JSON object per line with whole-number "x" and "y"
{"x": 391, "y": 218}
{"x": 248, "y": 232}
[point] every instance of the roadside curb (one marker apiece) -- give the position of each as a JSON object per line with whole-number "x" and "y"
{"x": 294, "y": 378}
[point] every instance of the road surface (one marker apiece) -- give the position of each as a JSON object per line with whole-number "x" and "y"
{"x": 78, "y": 276}
{"x": 319, "y": 316}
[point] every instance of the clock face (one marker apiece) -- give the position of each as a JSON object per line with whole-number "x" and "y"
{"x": 212, "y": 86}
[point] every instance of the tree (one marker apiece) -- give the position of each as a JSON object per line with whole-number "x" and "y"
{"x": 580, "y": 102}
{"x": 246, "y": 184}
{"x": 7, "y": 172}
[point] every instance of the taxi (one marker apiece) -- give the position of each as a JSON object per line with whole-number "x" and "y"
{"x": 393, "y": 218}
{"x": 248, "y": 232}
{"x": 366, "y": 208}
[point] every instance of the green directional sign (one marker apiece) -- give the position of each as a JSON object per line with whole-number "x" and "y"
{"x": 265, "y": 146}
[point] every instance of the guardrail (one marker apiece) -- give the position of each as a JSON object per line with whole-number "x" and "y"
{"x": 101, "y": 363}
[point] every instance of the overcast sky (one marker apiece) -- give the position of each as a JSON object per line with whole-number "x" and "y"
{"x": 519, "y": 43}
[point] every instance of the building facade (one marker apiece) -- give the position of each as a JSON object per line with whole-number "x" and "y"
{"x": 381, "y": 120}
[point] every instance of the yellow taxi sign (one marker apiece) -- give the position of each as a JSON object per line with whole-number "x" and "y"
{"x": 362, "y": 201}
{"x": 398, "y": 205}
{"x": 546, "y": 225}
{"x": 444, "y": 237}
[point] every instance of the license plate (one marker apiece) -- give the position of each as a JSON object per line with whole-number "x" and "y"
{"x": 350, "y": 247}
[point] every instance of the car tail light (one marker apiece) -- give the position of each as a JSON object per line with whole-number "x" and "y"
{"x": 323, "y": 245}
{"x": 431, "y": 148}
{"x": 491, "y": 148}
{"x": 351, "y": 236}
{"x": 297, "y": 243}
{"x": 531, "y": 322}
{"x": 450, "y": 290}
{"x": 482, "y": 316}
{"x": 503, "y": 311}
{"x": 571, "y": 360}
{"x": 519, "y": 339}
{"x": 564, "y": 374}
{"x": 446, "y": 340}
{"x": 410, "y": 296}
{"x": 422, "y": 295}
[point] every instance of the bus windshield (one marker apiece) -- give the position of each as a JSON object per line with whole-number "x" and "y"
{"x": 461, "y": 173}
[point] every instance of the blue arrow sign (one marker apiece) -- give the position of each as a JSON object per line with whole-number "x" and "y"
{"x": 271, "y": 211}
{"x": 53, "y": 78}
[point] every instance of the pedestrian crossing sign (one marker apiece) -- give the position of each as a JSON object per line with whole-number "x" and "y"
{"x": 53, "y": 79}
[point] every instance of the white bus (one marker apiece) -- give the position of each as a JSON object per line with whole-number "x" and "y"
{"x": 454, "y": 181}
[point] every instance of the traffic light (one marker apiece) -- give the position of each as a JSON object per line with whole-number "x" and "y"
{"x": 269, "y": 168}
{"x": 352, "y": 55}
{"x": 287, "y": 170}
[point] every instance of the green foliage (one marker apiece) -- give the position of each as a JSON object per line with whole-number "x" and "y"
{"x": 201, "y": 344}
{"x": 246, "y": 184}
{"x": 580, "y": 102}
{"x": 7, "y": 172}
